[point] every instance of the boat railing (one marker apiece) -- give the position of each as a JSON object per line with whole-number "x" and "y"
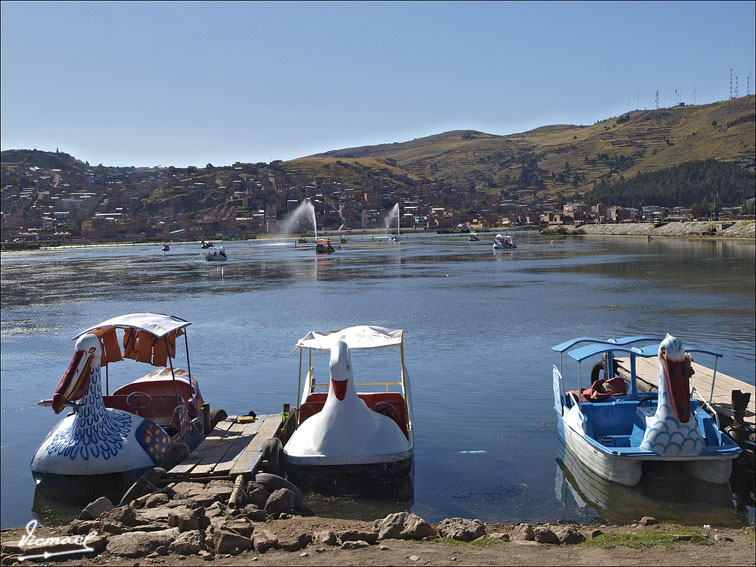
{"x": 388, "y": 385}
{"x": 705, "y": 405}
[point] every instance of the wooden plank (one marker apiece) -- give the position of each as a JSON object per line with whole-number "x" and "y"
{"x": 219, "y": 449}
{"x": 218, "y": 432}
{"x": 225, "y": 464}
{"x": 647, "y": 370}
{"x": 250, "y": 457}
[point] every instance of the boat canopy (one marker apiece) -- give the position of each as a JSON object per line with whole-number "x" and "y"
{"x": 356, "y": 338}
{"x": 155, "y": 324}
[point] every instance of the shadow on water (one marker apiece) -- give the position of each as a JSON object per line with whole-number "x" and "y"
{"x": 662, "y": 494}
{"x": 56, "y": 504}
{"x": 361, "y": 500}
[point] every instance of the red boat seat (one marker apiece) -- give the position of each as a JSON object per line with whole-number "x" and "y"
{"x": 161, "y": 410}
{"x": 316, "y": 402}
{"x": 160, "y": 388}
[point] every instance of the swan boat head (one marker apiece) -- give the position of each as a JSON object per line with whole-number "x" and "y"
{"x": 94, "y": 440}
{"x": 671, "y": 430}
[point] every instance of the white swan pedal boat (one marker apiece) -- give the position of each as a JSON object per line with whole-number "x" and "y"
{"x": 503, "y": 242}
{"x": 349, "y": 428}
{"x": 115, "y": 437}
{"x": 613, "y": 429}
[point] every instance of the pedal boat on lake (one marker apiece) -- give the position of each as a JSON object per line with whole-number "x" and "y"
{"x": 216, "y": 255}
{"x": 324, "y": 246}
{"x": 349, "y": 428}
{"x": 116, "y": 437}
{"x": 503, "y": 242}
{"x": 614, "y": 431}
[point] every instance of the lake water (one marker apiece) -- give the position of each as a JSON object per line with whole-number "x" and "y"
{"x": 478, "y": 330}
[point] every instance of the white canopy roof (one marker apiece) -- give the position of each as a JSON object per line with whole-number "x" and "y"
{"x": 157, "y": 324}
{"x": 359, "y": 337}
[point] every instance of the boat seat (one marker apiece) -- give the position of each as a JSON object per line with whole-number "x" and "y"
{"x": 161, "y": 410}
{"x": 161, "y": 388}
{"x": 316, "y": 402}
{"x": 615, "y": 440}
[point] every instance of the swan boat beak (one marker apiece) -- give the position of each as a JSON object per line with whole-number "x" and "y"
{"x": 75, "y": 382}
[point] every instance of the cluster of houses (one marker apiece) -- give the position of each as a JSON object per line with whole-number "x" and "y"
{"x": 240, "y": 201}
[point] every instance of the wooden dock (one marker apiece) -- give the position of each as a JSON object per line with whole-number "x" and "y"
{"x": 233, "y": 448}
{"x": 647, "y": 374}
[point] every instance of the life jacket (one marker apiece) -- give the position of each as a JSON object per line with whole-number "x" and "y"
{"x": 602, "y": 389}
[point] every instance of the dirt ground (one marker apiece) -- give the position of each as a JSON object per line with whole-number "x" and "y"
{"x": 728, "y": 547}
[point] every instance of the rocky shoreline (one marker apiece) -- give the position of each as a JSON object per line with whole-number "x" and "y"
{"x": 266, "y": 522}
{"x": 705, "y": 229}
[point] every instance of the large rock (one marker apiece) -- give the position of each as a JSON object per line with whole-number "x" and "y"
{"x": 523, "y": 532}
{"x": 255, "y": 514}
{"x": 295, "y": 542}
{"x": 403, "y": 525}
{"x": 94, "y": 509}
{"x": 257, "y": 494}
{"x": 123, "y": 514}
{"x": 243, "y": 527}
{"x": 139, "y": 544}
{"x": 204, "y": 495}
{"x": 545, "y": 535}
{"x": 154, "y": 500}
{"x": 185, "y": 522}
{"x": 280, "y": 501}
{"x": 461, "y": 529}
{"x": 325, "y": 537}
{"x": 187, "y": 543}
{"x": 568, "y": 536}
{"x": 229, "y": 541}
{"x": 273, "y": 482}
{"x": 264, "y": 540}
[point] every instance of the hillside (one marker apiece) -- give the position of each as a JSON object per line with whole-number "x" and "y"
{"x": 568, "y": 159}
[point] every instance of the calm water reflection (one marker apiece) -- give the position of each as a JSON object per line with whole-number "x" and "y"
{"x": 478, "y": 329}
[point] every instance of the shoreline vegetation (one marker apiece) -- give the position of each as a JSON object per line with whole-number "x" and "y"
{"x": 188, "y": 523}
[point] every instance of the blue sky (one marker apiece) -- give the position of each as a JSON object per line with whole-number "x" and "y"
{"x": 187, "y": 83}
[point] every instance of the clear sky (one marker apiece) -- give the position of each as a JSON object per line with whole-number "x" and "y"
{"x": 187, "y": 83}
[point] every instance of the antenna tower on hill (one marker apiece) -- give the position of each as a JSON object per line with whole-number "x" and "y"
{"x": 657, "y": 98}
{"x": 736, "y": 86}
{"x": 730, "y": 82}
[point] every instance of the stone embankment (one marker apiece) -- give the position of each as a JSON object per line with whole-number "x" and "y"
{"x": 739, "y": 229}
{"x": 266, "y": 522}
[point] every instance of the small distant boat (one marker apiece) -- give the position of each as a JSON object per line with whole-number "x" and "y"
{"x": 206, "y": 245}
{"x": 503, "y": 242}
{"x": 473, "y": 238}
{"x": 324, "y": 246}
{"x": 119, "y": 436}
{"x": 614, "y": 430}
{"x": 343, "y": 433}
{"x": 216, "y": 255}
{"x": 165, "y": 248}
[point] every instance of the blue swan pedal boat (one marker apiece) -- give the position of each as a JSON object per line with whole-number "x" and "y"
{"x": 349, "y": 429}
{"x": 614, "y": 432}
{"x": 116, "y": 437}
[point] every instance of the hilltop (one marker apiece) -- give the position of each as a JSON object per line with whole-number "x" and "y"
{"x": 572, "y": 158}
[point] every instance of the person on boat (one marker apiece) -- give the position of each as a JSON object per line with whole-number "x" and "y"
{"x": 223, "y": 252}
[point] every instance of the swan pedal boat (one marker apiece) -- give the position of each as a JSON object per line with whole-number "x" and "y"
{"x": 502, "y": 242}
{"x": 615, "y": 432}
{"x": 349, "y": 429}
{"x": 114, "y": 438}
